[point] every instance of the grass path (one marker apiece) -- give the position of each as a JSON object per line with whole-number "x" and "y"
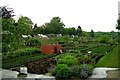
{"x": 110, "y": 59}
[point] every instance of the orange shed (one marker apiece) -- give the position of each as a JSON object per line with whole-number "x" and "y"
{"x": 51, "y": 49}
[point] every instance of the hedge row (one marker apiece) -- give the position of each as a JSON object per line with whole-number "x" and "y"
{"x": 9, "y": 63}
{"x": 21, "y": 52}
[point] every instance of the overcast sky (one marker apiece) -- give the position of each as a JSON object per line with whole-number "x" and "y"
{"x": 99, "y": 15}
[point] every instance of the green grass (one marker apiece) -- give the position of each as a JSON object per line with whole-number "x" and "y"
{"x": 110, "y": 59}
{"x": 102, "y": 49}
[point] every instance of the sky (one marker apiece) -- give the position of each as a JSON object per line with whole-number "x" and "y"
{"x": 98, "y": 15}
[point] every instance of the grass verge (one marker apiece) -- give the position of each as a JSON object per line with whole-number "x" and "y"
{"x": 110, "y": 59}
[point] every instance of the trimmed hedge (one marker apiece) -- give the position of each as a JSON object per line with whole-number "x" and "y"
{"x": 9, "y": 63}
{"x": 21, "y": 52}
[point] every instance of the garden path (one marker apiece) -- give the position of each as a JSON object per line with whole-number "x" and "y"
{"x": 13, "y": 74}
{"x": 101, "y": 72}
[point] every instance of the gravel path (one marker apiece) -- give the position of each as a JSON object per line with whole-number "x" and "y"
{"x": 113, "y": 73}
{"x": 101, "y": 72}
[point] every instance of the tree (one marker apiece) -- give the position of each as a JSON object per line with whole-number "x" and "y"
{"x": 8, "y": 29}
{"x": 69, "y": 31}
{"x": 35, "y": 26}
{"x": 79, "y": 31}
{"x": 92, "y": 33}
{"x": 38, "y": 30}
{"x": 55, "y": 26}
{"x": 6, "y": 12}
{"x": 12, "y": 32}
{"x": 24, "y": 25}
{"x": 118, "y": 24}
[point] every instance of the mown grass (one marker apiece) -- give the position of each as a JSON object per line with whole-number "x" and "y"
{"x": 110, "y": 59}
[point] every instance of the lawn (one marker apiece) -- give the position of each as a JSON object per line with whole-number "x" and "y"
{"x": 110, "y": 59}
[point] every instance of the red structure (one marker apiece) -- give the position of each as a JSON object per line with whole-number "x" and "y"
{"x": 51, "y": 49}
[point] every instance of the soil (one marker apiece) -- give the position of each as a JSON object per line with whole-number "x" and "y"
{"x": 41, "y": 66}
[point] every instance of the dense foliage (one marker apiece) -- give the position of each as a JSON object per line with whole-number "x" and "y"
{"x": 69, "y": 60}
{"x": 62, "y": 70}
{"x": 33, "y": 42}
{"x": 21, "y": 52}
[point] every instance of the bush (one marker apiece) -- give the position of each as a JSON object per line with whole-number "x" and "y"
{"x": 86, "y": 70}
{"x": 81, "y": 71}
{"x": 69, "y": 60}
{"x": 74, "y": 71}
{"x": 33, "y": 42}
{"x": 62, "y": 70}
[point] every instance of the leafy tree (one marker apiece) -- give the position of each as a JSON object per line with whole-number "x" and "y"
{"x": 55, "y": 26}
{"x": 24, "y": 25}
{"x": 38, "y": 30}
{"x": 8, "y": 29}
{"x": 6, "y": 12}
{"x": 11, "y": 30}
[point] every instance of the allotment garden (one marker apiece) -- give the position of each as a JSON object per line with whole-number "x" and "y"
{"x": 80, "y": 55}
{"x": 79, "y": 51}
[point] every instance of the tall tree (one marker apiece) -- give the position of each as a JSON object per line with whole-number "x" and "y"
{"x": 35, "y": 26}
{"x": 24, "y": 25}
{"x": 55, "y": 26}
{"x": 118, "y": 24}
{"x": 92, "y": 33}
{"x": 79, "y": 31}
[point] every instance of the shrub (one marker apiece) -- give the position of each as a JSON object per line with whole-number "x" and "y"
{"x": 82, "y": 71}
{"x": 74, "y": 71}
{"x": 62, "y": 70}
{"x": 69, "y": 60}
{"x": 83, "y": 74}
{"x": 86, "y": 70}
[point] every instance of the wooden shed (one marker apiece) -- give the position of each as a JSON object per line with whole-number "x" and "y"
{"x": 51, "y": 49}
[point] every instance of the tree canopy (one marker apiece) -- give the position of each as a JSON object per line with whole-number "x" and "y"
{"x": 6, "y": 12}
{"x": 55, "y": 26}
